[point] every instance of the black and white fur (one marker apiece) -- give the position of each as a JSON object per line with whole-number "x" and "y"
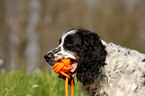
{"x": 105, "y": 69}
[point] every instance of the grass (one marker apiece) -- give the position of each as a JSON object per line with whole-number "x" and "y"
{"x": 43, "y": 83}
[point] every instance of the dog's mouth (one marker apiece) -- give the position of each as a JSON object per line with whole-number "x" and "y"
{"x": 74, "y": 64}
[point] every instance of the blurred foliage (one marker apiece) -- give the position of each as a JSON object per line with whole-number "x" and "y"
{"x": 40, "y": 83}
{"x": 30, "y": 28}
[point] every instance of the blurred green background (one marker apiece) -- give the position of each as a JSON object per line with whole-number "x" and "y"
{"x": 30, "y": 28}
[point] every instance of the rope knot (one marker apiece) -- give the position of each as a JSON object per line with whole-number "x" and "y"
{"x": 62, "y": 67}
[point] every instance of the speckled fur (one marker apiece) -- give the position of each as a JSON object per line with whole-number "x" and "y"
{"x": 122, "y": 76}
{"x": 103, "y": 69}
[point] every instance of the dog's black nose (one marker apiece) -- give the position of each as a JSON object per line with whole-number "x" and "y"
{"x": 48, "y": 56}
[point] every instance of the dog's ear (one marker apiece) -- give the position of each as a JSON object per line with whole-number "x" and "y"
{"x": 92, "y": 57}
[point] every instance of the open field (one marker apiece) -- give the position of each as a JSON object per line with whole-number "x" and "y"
{"x": 39, "y": 83}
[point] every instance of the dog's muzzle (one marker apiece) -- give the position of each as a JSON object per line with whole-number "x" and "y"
{"x": 49, "y": 57}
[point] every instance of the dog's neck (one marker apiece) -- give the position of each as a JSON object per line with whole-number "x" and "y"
{"x": 115, "y": 68}
{"x": 97, "y": 87}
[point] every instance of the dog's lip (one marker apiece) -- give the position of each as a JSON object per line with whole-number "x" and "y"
{"x": 73, "y": 66}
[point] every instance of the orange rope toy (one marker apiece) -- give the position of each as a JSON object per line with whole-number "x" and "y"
{"x": 63, "y": 67}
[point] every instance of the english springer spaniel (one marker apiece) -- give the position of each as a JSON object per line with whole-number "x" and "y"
{"x": 105, "y": 69}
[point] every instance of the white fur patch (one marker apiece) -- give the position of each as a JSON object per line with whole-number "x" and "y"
{"x": 123, "y": 74}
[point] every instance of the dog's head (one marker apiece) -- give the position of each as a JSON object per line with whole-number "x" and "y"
{"x": 68, "y": 49}
{"x": 84, "y": 49}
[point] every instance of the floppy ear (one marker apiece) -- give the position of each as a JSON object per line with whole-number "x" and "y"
{"x": 92, "y": 57}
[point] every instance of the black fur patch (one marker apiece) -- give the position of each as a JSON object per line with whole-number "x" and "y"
{"x": 91, "y": 54}
{"x": 143, "y": 60}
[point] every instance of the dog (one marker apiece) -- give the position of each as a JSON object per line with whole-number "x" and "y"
{"x": 104, "y": 69}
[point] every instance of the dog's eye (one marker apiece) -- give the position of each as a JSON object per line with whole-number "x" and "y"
{"x": 69, "y": 45}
